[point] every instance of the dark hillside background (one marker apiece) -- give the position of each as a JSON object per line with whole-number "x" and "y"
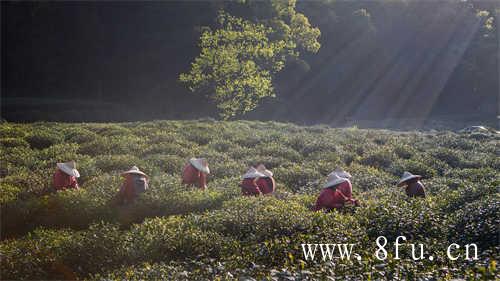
{"x": 379, "y": 60}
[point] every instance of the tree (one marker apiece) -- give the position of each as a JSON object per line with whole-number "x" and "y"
{"x": 239, "y": 57}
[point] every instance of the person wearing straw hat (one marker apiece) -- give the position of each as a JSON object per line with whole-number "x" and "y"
{"x": 337, "y": 191}
{"x": 266, "y": 184}
{"x": 249, "y": 185}
{"x": 414, "y": 187}
{"x": 136, "y": 182}
{"x": 195, "y": 173}
{"x": 65, "y": 176}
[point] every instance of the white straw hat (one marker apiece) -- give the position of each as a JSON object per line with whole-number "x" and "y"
{"x": 407, "y": 176}
{"x": 262, "y": 169}
{"x": 201, "y": 164}
{"x": 334, "y": 179}
{"x": 134, "y": 170}
{"x": 69, "y": 168}
{"x": 252, "y": 173}
{"x": 341, "y": 173}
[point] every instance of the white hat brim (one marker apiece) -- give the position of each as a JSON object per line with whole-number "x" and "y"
{"x": 68, "y": 170}
{"x": 267, "y": 173}
{"x": 252, "y": 175}
{"x": 134, "y": 172}
{"x": 198, "y": 166}
{"x": 334, "y": 182}
{"x": 403, "y": 180}
{"x": 344, "y": 174}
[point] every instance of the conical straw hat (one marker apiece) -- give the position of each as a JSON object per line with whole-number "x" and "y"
{"x": 252, "y": 173}
{"x": 69, "y": 168}
{"x": 334, "y": 179}
{"x": 406, "y": 177}
{"x": 134, "y": 170}
{"x": 201, "y": 164}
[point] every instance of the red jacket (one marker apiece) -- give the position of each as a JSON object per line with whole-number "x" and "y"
{"x": 415, "y": 189}
{"x": 266, "y": 185}
{"x": 63, "y": 181}
{"x": 331, "y": 198}
{"x": 249, "y": 187}
{"x": 193, "y": 176}
{"x": 128, "y": 191}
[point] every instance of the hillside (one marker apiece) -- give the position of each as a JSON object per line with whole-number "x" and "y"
{"x": 173, "y": 232}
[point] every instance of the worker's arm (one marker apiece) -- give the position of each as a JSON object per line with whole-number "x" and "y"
{"x": 202, "y": 181}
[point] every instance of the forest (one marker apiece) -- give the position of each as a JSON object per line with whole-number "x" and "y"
{"x": 93, "y": 61}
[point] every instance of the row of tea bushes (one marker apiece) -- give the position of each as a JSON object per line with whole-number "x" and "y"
{"x": 255, "y": 236}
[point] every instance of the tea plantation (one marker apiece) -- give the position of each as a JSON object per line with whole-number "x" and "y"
{"x": 174, "y": 232}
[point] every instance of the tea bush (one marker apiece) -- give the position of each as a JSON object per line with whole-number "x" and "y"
{"x": 380, "y": 158}
{"x": 478, "y": 223}
{"x": 13, "y": 142}
{"x": 178, "y": 232}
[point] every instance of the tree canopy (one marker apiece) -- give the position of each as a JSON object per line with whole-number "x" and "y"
{"x": 239, "y": 57}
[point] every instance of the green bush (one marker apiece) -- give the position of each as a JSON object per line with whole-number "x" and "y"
{"x": 43, "y": 139}
{"x": 80, "y": 253}
{"x": 366, "y": 178}
{"x": 36, "y": 256}
{"x": 171, "y": 164}
{"x": 114, "y": 145}
{"x": 79, "y": 135}
{"x": 417, "y": 167}
{"x": 478, "y": 223}
{"x": 296, "y": 177}
{"x": 415, "y": 219}
{"x": 8, "y": 130}
{"x": 13, "y": 142}
{"x": 177, "y": 232}
{"x": 380, "y": 158}
{"x": 114, "y": 163}
{"x": 110, "y": 130}
{"x": 8, "y": 192}
{"x": 404, "y": 151}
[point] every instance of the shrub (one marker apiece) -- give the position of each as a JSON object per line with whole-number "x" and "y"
{"x": 404, "y": 151}
{"x": 113, "y": 163}
{"x": 110, "y": 130}
{"x": 113, "y": 145}
{"x": 35, "y": 257}
{"x": 79, "y": 135}
{"x": 29, "y": 183}
{"x": 415, "y": 219}
{"x": 43, "y": 139}
{"x": 8, "y": 192}
{"x": 449, "y": 156}
{"x": 221, "y": 145}
{"x": 201, "y": 135}
{"x": 13, "y": 142}
{"x": 80, "y": 253}
{"x": 171, "y": 164}
{"x": 294, "y": 177}
{"x": 366, "y": 178}
{"x": 416, "y": 167}
{"x": 171, "y": 148}
{"x": 276, "y": 150}
{"x": 174, "y": 238}
{"x": 58, "y": 153}
{"x": 12, "y": 131}
{"x": 478, "y": 223}
{"x": 380, "y": 158}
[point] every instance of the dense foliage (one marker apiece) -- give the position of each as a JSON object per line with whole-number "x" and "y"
{"x": 238, "y": 60}
{"x": 129, "y": 57}
{"x": 174, "y": 232}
